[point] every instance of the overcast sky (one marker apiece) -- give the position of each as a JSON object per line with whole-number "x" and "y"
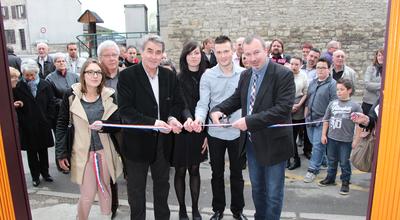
{"x": 112, "y": 11}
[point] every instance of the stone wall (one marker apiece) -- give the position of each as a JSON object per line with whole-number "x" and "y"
{"x": 358, "y": 24}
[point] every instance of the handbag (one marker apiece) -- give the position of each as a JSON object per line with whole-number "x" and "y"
{"x": 70, "y": 132}
{"x": 362, "y": 155}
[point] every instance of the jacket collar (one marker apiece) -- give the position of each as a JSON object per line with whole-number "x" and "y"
{"x": 107, "y": 99}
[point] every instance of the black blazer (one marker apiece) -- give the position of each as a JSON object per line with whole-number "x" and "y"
{"x": 273, "y": 105}
{"x": 137, "y": 105}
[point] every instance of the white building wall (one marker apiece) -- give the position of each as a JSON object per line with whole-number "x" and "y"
{"x": 58, "y": 19}
{"x": 16, "y": 24}
{"x": 135, "y": 21}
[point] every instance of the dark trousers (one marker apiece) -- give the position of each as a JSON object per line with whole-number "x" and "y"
{"x": 137, "y": 176}
{"x": 114, "y": 196}
{"x": 297, "y": 130}
{"x": 38, "y": 162}
{"x": 217, "y": 148}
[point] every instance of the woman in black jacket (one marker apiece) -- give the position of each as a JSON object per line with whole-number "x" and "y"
{"x": 35, "y": 118}
{"x": 189, "y": 147}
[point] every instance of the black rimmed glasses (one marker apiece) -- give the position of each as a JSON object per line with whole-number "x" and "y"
{"x": 93, "y": 73}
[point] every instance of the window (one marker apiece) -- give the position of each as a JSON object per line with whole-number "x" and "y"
{"x": 18, "y": 11}
{"x": 22, "y": 37}
{"x": 10, "y": 36}
{"x": 4, "y": 12}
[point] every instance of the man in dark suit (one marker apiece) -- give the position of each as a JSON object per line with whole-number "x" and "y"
{"x": 148, "y": 95}
{"x": 45, "y": 62}
{"x": 265, "y": 93}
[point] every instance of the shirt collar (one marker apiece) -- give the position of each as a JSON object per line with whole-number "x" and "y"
{"x": 262, "y": 69}
{"x": 235, "y": 70}
{"x": 148, "y": 75}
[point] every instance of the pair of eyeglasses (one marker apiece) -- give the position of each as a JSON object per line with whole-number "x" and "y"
{"x": 93, "y": 73}
{"x": 108, "y": 56}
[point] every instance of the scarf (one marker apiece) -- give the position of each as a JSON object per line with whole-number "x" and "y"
{"x": 378, "y": 69}
{"x": 33, "y": 84}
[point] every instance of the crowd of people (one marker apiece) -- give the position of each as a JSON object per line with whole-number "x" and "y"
{"x": 227, "y": 96}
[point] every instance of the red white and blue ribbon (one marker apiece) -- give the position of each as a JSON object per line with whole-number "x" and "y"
{"x": 156, "y": 128}
{"x": 296, "y": 124}
{"x": 142, "y": 127}
{"x": 97, "y": 171}
{"x": 159, "y": 128}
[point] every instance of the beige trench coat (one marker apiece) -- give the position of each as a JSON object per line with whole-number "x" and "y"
{"x": 80, "y": 147}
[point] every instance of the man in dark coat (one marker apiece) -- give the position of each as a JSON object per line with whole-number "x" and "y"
{"x": 45, "y": 62}
{"x": 149, "y": 95}
{"x": 35, "y": 117}
{"x": 13, "y": 60}
{"x": 265, "y": 93}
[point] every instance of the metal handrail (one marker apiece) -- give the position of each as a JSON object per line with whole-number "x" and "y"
{"x": 88, "y": 42}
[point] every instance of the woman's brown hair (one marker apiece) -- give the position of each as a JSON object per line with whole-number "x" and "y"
{"x": 380, "y": 50}
{"x": 82, "y": 76}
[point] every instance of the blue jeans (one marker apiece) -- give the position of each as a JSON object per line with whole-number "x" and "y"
{"x": 318, "y": 149}
{"x": 267, "y": 184}
{"x": 339, "y": 151}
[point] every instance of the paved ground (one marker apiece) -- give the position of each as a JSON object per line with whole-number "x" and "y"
{"x": 302, "y": 201}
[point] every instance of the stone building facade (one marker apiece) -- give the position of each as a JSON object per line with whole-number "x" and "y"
{"x": 358, "y": 24}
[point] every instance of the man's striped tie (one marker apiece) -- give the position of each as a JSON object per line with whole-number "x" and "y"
{"x": 253, "y": 93}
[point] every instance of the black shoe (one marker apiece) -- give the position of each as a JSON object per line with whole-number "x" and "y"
{"x": 36, "y": 183}
{"x": 217, "y": 215}
{"x": 344, "y": 190}
{"x": 307, "y": 155}
{"x": 327, "y": 182}
{"x": 296, "y": 164}
{"x": 113, "y": 214}
{"x": 196, "y": 214}
{"x": 183, "y": 214}
{"x": 239, "y": 216}
{"x": 48, "y": 178}
{"x": 288, "y": 163}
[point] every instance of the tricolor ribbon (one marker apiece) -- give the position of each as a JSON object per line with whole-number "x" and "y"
{"x": 296, "y": 124}
{"x": 97, "y": 171}
{"x": 158, "y": 128}
{"x": 142, "y": 127}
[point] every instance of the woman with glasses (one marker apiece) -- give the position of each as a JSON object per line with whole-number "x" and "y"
{"x": 189, "y": 146}
{"x": 35, "y": 109}
{"x": 93, "y": 157}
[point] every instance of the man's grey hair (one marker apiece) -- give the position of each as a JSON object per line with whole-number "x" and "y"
{"x": 107, "y": 44}
{"x": 151, "y": 38}
{"x": 339, "y": 51}
{"x": 58, "y": 56}
{"x": 42, "y": 44}
{"x": 250, "y": 39}
{"x": 29, "y": 65}
{"x": 333, "y": 44}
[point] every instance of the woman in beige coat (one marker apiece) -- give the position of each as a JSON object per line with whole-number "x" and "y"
{"x": 93, "y": 158}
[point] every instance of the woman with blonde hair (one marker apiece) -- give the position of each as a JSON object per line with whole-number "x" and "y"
{"x": 93, "y": 156}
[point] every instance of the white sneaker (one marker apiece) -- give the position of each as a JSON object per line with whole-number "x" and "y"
{"x": 309, "y": 178}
